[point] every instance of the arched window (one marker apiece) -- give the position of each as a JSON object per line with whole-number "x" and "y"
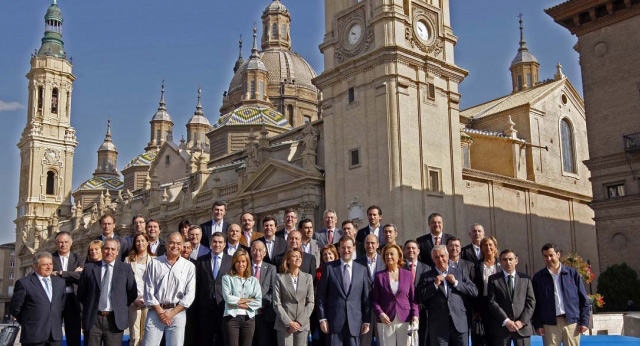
{"x": 283, "y": 31}
{"x": 51, "y": 180}
{"x": 290, "y": 114}
{"x": 40, "y": 97}
{"x": 54, "y": 101}
{"x": 274, "y": 30}
{"x": 568, "y": 150}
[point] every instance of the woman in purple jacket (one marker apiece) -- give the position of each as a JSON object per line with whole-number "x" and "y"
{"x": 393, "y": 300}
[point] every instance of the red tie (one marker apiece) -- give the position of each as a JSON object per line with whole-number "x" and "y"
{"x": 330, "y": 236}
{"x": 413, "y": 271}
{"x": 437, "y": 240}
{"x": 256, "y": 272}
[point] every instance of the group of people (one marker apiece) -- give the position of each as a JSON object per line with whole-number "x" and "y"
{"x": 223, "y": 283}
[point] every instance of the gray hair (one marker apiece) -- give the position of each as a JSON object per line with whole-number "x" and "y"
{"x": 437, "y": 248}
{"x": 329, "y": 211}
{"x": 112, "y": 240}
{"x": 39, "y": 255}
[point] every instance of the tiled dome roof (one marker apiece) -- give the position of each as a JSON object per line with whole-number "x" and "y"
{"x": 253, "y": 115}
{"x": 101, "y": 183}
{"x": 144, "y": 159}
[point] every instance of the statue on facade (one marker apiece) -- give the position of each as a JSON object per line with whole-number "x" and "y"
{"x": 310, "y": 138}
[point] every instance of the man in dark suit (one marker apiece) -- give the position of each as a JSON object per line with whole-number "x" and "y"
{"x": 374, "y": 263}
{"x": 209, "y": 304}
{"x": 419, "y": 270}
{"x": 294, "y": 241}
{"x": 435, "y": 237}
{"x": 511, "y": 304}
{"x": 266, "y": 317}
{"x": 454, "y": 248}
{"x": 216, "y": 224}
{"x": 37, "y": 303}
{"x": 234, "y": 233}
{"x": 156, "y": 244}
{"x": 443, "y": 290}
{"x": 108, "y": 224}
{"x": 349, "y": 229}
{"x": 275, "y": 246}
{"x": 374, "y": 215}
{"x": 472, "y": 252}
{"x": 343, "y": 298}
{"x": 290, "y": 223}
{"x": 106, "y": 290}
{"x": 195, "y": 238}
{"x": 68, "y": 266}
{"x": 330, "y": 234}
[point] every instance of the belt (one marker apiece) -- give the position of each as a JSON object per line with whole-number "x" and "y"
{"x": 105, "y": 313}
{"x": 561, "y": 316}
{"x": 167, "y": 306}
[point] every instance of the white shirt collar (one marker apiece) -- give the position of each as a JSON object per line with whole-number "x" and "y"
{"x": 442, "y": 272}
{"x": 506, "y": 275}
{"x": 342, "y": 263}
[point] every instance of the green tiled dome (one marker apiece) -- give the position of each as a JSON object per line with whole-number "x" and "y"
{"x": 253, "y": 115}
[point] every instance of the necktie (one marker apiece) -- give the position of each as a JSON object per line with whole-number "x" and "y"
{"x": 47, "y": 284}
{"x": 445, "y": 284}
{"x": 346, "y": 278}
{"x": 104, "y": 291}
{"x": 330, "y": 236}
{"x": 510, "y": 285}
{"x": 437, "y": 240}
{"x": 413, "y": 271}
{"x": 63, "y": 262}
{"x": 216, "y": 267}
{"x": 256, "y": 271}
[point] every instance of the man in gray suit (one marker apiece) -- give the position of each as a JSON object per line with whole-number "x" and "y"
{"x": 374, "y": 263}
{"x": 419, "y": 269}
{"x": 511, "y": 304}
{"x": 330, "y": 234}
{"x": 443, "y": 290}
{"x": 266, "y": 274}
{"x": 343, "y": 298}
{"x": 68, "y": 266}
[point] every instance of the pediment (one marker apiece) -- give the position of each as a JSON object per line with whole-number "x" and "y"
{"x": 25, "y": 251}
{"x": 274, "y": 173}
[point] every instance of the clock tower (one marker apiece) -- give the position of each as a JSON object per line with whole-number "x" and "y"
{"x": 390, "y": 109}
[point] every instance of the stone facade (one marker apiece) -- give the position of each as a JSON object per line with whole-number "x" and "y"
{"x": 7, "y": 276}
{"x": 608, "y": 46}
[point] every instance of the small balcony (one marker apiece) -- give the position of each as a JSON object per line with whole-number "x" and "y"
{"x": 631, "y": 142}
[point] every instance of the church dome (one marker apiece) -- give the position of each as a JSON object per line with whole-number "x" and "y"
{"x": 253, "y": 115}
{"x": 53, "y": 13}
{"x": 144, "y": 159}
{"x": 101, "y": 183}
{"x": 523, "y": 56}
{"x": 277, "y": 6}
{"x": 282, "y": 65}
{"x": 198, "y": 117}
{"x": 108, "y": 146}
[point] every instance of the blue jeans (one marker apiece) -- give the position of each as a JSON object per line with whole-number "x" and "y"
{"x": 154, "y": 329}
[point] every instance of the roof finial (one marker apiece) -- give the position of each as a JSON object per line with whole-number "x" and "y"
{"x": 559, "y": 75}
{"x": 254, "y": 50}
{"x": 108, "y": 136}
{"x": 199, "y": 106}
{"x": 55, "y": 2}
{"x": 240, "y": 44}
{"x": 523, "y": 43}
{"x": 162, "y": 103}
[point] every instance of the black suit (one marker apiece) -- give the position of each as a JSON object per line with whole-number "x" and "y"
{"x": 71, "y": 312}
{"x": 446, "y": 311}
{"x": 266, "y": 318}
{"x": 469, "y": 254}
{"x": 468, "y": 268}
{"x": 421, "y": 271}
{"x": 281, "y": 233}
{"x": 123, "y": 252}
{"x": 517, "y": 308}
{"x": 206, "y": 231}
{"x": 279, "y": 248}
{"x": 208, "y": 302}
{"x": 123, "y": 293}
{"x": 308, "y": 264}
{"x": 364, "y": 232}
{"x": 162, "y": 248}
{"x": 40, "y": 319}
{"x": 426, "y": 245}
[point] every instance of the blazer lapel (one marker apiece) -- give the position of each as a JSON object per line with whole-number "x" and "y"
{"x": 96, "y": 274}
{"x": 301, "y": 294}
{"x": 338, "y": 272}
{"x": 502, "y": 282}
{"x": 288, "y": 284}
{"x": 36, "y": 281}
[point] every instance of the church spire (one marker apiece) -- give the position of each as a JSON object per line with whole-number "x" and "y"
{"x": 107, "y": 155}
{"x": 161, "y": 125}
{"x": 52, "y": 44}
{"x": 254, "y": 50}
{"x": 276, "y": 22}
{"x": 524, "y": 67}
{"x": 240, "y": 61}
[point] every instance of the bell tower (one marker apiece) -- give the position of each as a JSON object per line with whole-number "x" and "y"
{"x": 390, "y": 109}
{"x": 48, "y": 141}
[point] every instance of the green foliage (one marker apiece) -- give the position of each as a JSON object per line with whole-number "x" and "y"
{"x": 620, "y": 285}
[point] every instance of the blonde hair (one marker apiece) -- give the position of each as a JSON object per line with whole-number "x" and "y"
{"x": 401, "y": 262}
{"x": 496, "y": 252}
{"x": 95, "y": 242}
{"x": 234, "y": 259}
{"x": 284, "y": 267}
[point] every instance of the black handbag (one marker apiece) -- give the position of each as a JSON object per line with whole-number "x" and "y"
{"x": 478, "y": 336}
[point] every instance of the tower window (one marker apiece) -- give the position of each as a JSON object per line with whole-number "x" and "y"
{"x": 466, "y": 156}
{"x": 261, "y": 90}
{"x": 54, "y": 101}
{"x": 253, "y": 89}
{"x": 615, "y": 190}
{"x": 351, "y": 95}
{"x": 434, "y": 183}
{"x": 431, "y": 91}
{"x": 307, "y": 119}
{"x": 158, "y": 136}
{"x": 167, "y": 160}
{"x": 40, "y": 97}
{"x": 274, "y": 30}
{"x": 68, "y": 103}
{"x": 568, "y": 150}
{"x": 283, "y": 31}
{"x": 51, "y": 179}
{"x": 529, "y": 80}
{"x": 290, "y": 114}
{"x": 519, "y": 82}
{"x": 354, "y": 158}
{"x": 104, "y": 165}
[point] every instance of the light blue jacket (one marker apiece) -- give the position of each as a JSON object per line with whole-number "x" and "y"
{"x": 236, "y": 287}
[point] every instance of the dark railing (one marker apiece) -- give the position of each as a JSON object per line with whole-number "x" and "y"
{"x": 631, "y": 142}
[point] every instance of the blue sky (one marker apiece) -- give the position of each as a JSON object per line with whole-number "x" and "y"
{"x": 123, "y": 49}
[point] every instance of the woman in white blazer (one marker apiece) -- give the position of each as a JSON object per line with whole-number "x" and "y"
{"x": 293, "y": 301}
{"x": 243, "y": 297}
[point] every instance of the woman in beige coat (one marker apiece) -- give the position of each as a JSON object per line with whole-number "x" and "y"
{"x": 293, "y": 301}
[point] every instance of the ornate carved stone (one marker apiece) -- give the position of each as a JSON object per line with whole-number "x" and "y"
{"x": 51, "y": 157}
{"x": 343, "y": 50}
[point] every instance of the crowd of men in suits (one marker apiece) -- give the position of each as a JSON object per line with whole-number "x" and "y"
{"x": 183, "y": 285}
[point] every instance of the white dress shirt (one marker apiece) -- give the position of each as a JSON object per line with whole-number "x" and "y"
{"x": 375, "y": 231}
{"x": 350, "y": 270}
{"x": 194, "y": 252}
{"x": 102, "y": 271}
{"x": 170, "y": 284}
{"x": 154, "y": 246}
{"x": 557, "y": 291}
{"x": 371, "y": 263}
{"x": 269, "y": 244}
{"x": 64, "y": 263}
{"x": 216, "y": 226}
{"x": 231, "y": 249}
{"x": 44, "y": 285}
{"x": 433, "y": 239}
{"x": 477, "y": 250}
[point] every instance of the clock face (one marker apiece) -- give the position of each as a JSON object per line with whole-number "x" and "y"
{"x": 354, "y": 34}
{"x": 422, "y": 30}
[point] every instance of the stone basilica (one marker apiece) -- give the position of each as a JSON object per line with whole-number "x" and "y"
{"x": 380, "y": 125}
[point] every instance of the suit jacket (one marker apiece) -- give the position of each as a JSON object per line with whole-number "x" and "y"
{"x": 308, "y": 263}
{"x": 322, "y": 236}
{"x": 426, "y": 245}
{"x": 315, "y": 251}
{"x": 208, "y": 288}
{"x": 161, "y": 249}
{"x": 267, "y": 281}
{"x": 402, "y": 303}
{"x": 240, "y": 246}
{"x": 468, "y": 268}
{"x": 502, "y": 306}
{"x": 38, "y": 317}
{"x": 123, "y": 252}
{"x": 421, "y": 270}
{"x": 291, "y": 304}
{"x": 338, "y": 306}
{"x": 469, "y": 254}
{"x": 255, "y": 235}
{"x": 70, "y": 276}
{"x": 202, "y": 250}
{"x": 440, "y": 305}
{"x": 279, "y": 248}
{"x": 123, "y": 293}
{"x": 206, "y": 231}
{"x": 364, "y": 232}
{"x": 379, "y": 266}
{"x": 280, "y": 233}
